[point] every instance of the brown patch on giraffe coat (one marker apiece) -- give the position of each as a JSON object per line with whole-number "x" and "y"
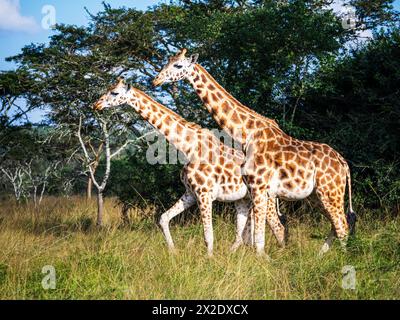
{"x": 199, "y": 178}
{"x": 250, "y": 124}
{"x": 167, "y": 120}
{"x": 218, "y": 170}
{"x": 288, "y": 185}
{"x": 291, "y": 168}
{"x": 235, "y": 117}
{"x": 214, "y": 97}
{"x": 283, "y": 174}
{"x": 211, "y": 87}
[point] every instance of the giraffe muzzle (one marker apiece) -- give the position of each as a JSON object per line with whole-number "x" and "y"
{"x": 157, "y": 82}
{"x": 97, "y": 106}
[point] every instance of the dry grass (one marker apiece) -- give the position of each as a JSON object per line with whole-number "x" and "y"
{"x": 132, "y": 262}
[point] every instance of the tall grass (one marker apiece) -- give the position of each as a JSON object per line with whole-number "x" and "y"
{"x": 132, "y": 262}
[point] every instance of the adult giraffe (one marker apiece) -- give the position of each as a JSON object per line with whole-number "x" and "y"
{"x": 277, "y": 165}
{"x": 213, "y": 171}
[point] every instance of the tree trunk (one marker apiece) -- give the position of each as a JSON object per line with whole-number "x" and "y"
{"x": 125, "y": 214}
{"x": 89, "y": 188}
{"x": 100, "y": 208}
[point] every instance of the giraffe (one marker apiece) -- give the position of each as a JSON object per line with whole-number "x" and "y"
{"x": 277, "y": 165}
{"x": 213, "y": 171}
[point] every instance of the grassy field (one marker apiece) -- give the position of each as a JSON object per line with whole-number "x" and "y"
{"x": 131, "y": 262}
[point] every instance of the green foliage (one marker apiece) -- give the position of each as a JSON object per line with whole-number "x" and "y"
{"x": 135, "y": 182}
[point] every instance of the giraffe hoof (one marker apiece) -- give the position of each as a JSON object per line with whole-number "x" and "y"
{"x": 235, "y": 247}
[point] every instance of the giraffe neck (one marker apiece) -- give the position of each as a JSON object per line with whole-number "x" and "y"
{"x": 176, "y": 129}
{"x": 232, "y": 116}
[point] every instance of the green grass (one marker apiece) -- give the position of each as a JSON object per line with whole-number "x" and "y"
{"x": 133, "y": 262}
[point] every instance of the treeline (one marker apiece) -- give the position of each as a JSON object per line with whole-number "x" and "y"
{"x": 294, "y": 61}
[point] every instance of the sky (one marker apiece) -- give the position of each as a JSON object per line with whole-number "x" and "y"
{"x": 21, "y": 20}
{"x": 27, "y": 21}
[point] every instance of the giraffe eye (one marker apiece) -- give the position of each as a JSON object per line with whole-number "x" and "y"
{"x": 114, "y": 93}
{"x": 178, "y": 66}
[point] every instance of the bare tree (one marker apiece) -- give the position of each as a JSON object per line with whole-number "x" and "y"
{"x": 16, "y": 177}
{"x": 38, "y": 179}
{"x": 92, "y": 161}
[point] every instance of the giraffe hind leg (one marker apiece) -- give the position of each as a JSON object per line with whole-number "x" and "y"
{"x": 340, "y": 227}
{"x": 244, "y": 224}
{"x": 185, "y": 202}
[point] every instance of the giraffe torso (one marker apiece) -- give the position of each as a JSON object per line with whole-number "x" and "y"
{"x": 218, "y": 172}
{"x": 292, "y": 167}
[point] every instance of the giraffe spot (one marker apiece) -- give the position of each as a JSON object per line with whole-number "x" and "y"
{"x": 283, "y": 174}
{"x": 288, "y": 185}
{"x": 222, "y": 122}
{"x": 259, "y": 160}
{"x": 206, "y": 100}
{"x": 145, "y": 101}
{"x": 197, "y": 78}
{"x": 199, "y": 178}
{"x": 301, "y": 173}
{"x": 261, "y": 171}
{"x": 291, "y": 168}
{"x": 225, "y": 107}
{"x": 166, "y": 132}
{"x": 219, "y": 95}
{"x": 289, "y": 155}
{"x": 235, "y": 117}
{"x": 250, "y": 179}
{"x": 218, "y": 170}
{"x": 199, "y": 91}
{"x": 297, "y": 181}
{"x": 250, "y": 124}
{"x": 229, "y": 166}
{"x": 168, "y": 120}
{"x": 214, "y": 97}
{"x": 211, "y": 87}
{"x": 243, "y": 117}
{"x": 203, "y": 78}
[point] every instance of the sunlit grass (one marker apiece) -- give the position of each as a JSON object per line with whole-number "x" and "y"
{"x": 132, "y": 262}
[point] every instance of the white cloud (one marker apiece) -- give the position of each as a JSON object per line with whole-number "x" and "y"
{"x": 339, "y": 7}
{"x": 12, "y": 20}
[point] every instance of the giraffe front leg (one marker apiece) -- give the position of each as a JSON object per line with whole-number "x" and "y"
{"x": 205, "y": 205}
{"x": 185, "y": 202}
{"x": 260, "y": 199}
{"x": 242, "y": 220}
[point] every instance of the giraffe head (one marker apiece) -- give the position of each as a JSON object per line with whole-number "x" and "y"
{"x": 115, "y": 96}
{"x": 177, "y": 68}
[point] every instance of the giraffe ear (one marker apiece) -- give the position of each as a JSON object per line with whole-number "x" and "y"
{"x": 121, "y": 80}
{"x": 194, "y": 58}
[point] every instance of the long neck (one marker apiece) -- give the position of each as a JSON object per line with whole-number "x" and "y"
{"x": 232, "y": 116}
{"x": 176, "y": 130}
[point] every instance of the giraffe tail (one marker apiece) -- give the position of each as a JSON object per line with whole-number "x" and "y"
{"x": 351, "y": 216}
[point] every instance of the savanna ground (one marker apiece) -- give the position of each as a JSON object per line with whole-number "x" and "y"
{"x": 132, "y": 262}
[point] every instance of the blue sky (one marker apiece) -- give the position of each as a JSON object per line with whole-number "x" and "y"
{"x": 24, "y": 25}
